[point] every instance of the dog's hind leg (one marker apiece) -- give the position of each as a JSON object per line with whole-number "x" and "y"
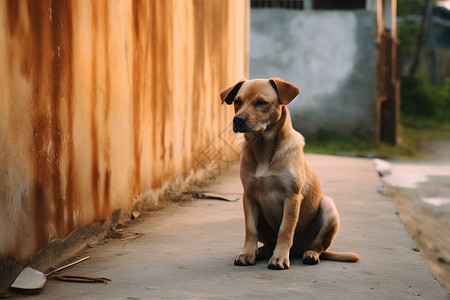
{"x": 328, "y": 218}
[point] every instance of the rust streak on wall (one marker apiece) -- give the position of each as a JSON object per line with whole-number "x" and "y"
{"x": 95, "y": 169}
{"x": 61, "y": 16}
{"x": 139, "y": 39}
{"x": 153, "y": 105}
{"x": 39, "y": 64}
{"x": 106, "y": 115}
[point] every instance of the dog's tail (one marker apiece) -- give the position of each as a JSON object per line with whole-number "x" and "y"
{"x": 337, "y": 256}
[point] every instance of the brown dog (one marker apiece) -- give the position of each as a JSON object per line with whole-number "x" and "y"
{"x": 284, "y": 206}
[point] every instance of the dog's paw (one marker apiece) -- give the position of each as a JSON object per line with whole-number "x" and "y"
{"x": 244, "y": 259}
{"x": 278, "y": 263}
{"x": 311, "y": 257}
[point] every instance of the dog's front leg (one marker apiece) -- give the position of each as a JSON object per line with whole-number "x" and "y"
{"x": 251, "y": 212}
{"x": 280, "y": 257}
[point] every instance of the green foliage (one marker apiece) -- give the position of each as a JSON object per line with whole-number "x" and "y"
{"x": 409, "y": 7}
{"x": 407, "y": 33}
{"x": 424, "y": 104}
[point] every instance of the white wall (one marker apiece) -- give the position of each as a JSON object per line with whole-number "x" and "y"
{"x": 330, "y": 56}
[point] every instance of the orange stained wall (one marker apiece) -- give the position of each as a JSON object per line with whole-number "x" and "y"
{"x": 102, "y": 102}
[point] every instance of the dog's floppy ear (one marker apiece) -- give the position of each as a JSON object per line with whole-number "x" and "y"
{"x": 227, "y": 95}
{"x": 286, "y": 91}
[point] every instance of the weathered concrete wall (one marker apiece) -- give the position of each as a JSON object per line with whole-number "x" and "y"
{"x": 331, "y": 56}
{"x": 102, "y": 102}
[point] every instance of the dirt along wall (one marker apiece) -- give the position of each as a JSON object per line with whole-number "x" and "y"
{"x": 102, "y": 102}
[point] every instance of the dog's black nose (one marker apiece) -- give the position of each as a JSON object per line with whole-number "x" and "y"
{"x": 240, "y": 124}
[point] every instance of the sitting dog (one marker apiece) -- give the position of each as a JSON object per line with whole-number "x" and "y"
{"x": 284, "y": 207}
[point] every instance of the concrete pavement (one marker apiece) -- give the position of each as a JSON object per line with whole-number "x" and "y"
{"x": 187, "y": 252}
{"x": 421, "y": 193}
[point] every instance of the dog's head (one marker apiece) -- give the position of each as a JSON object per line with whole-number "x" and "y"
{"x": 258, "y": 102}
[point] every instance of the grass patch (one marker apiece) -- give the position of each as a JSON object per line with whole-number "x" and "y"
{"x": 356, "y": 147}
{"x": 328, "y": 143}
{"x": 431, "y": 126}
{"x": 410, "y": 146}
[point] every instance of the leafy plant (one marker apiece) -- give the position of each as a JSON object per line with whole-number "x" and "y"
{"x": 409, "y": 7}
{"x": 424, "y": 103}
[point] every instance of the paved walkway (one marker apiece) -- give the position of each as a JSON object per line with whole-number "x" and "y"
{"x": 421, "y": 193}
{"x": 187, "y": 252}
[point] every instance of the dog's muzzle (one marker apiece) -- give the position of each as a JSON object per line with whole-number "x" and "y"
{"x": 240, "y": 124}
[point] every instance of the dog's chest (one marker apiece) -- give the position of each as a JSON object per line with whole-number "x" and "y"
{"x": 267, "y": 186}
{"x": 262, "y": 170}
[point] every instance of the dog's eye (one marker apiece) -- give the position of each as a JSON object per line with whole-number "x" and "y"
{"x": 261, "y": 102}
{"x": 237, "y": 102}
